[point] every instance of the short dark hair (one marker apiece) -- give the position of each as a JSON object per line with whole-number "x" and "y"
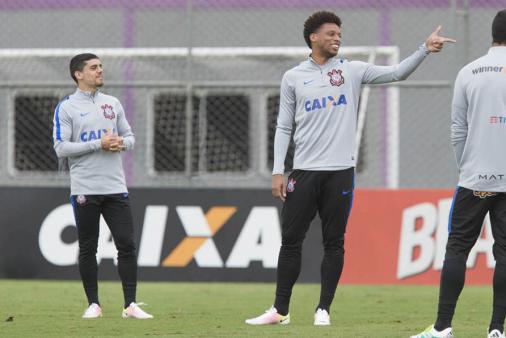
{"x": 499, "y": 27}
{"x": 316, "y": 20}
{"x": 78, "y": 62}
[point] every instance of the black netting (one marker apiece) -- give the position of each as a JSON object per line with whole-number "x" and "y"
{"x": 33, "y": 133}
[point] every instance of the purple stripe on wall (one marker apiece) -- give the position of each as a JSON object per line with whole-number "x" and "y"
{"x": 181, "y": 4}
{"x": 129, "y": 32}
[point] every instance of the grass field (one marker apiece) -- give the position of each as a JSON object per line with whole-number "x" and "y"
{"x": 54, "y": 309}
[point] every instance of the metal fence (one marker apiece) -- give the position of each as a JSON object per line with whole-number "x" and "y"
{"x": 207, "y": 120}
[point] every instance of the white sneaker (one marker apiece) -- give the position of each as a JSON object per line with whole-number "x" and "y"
{"x": 270, "y": 316}
{"x": 495, "y": 334}
{"x": 93, "y": 311}
{"x": 431, "y": 332}
{"x": 321, "y": 317}
{"x": 133, "y": 310}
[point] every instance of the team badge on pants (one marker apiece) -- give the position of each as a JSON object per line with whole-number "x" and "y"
{"x": 483, "y": 194}
{"x": 81, "y": 199}
{"x": 291, "y": 185}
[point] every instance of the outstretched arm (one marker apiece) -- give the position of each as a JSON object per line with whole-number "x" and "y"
{"x": 385, "y": 74}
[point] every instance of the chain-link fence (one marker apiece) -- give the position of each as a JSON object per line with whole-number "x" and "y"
{"x": 203, "y": 103}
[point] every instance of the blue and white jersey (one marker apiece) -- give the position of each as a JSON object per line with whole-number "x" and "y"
{"x": 80, "y": 120}
{"x": 479, "y": 122}
{"x": 322, "y": 103}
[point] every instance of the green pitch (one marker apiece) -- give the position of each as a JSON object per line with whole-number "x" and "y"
{"x": 54, "y": 309}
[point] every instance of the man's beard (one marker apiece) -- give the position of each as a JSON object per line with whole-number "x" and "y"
{"x": 330, "y": 54}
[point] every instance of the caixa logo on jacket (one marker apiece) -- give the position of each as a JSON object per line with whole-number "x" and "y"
{"x": 259, "y": 238}
{"x": 91, "y": 135}
{"x": 324, "y": 102}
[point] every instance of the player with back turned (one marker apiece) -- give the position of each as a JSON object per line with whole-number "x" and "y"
{"x": 478, "y": 134}
{"x": 90, "y": 129}
{"x": 320, "y": 97}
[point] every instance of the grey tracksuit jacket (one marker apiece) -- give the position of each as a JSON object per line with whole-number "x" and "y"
{"x": 322, "y": 103}
{"x": 79, "y": 122}
{"x": 478, "y": 130}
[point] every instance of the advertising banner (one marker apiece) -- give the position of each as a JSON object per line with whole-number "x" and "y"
{"x": 393, "y": 237}
{"x": 399, "y": 237}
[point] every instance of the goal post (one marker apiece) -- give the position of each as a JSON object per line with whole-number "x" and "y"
{"x": 190, "y": 68}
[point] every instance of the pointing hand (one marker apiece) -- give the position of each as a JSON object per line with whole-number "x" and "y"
{"x": 435, "y": 42}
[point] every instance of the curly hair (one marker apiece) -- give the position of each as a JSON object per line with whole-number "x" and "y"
{"x": 316, "y": 20}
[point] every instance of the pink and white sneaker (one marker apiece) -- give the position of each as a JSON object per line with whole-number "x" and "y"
{"x": 270, "y": 316}
{"x": 133, "y": 310}
{"x": 93, "y": 311}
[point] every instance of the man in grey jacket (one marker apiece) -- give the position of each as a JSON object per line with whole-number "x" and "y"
{"x": 320, "y": 97}
{"x": 90, "y": 129}
{"x": 478, "y": 134}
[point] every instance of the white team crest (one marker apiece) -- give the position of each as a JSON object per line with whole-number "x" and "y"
{"x": 108, "y": 112}
{"x": 291, "y": 185}
{"x": 336, "y": 77}
{"x": 81, "y": 199}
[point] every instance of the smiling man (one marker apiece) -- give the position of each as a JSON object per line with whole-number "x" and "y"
{"x": 320, "y": 98}
{"x": 90, "y": 129}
